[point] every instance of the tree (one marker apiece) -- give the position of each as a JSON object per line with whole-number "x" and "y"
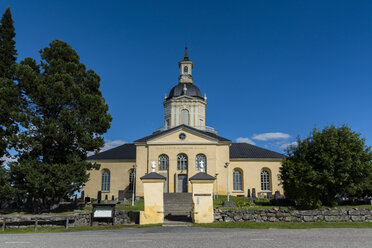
{"x": 8, "y": 51}
{"x": 65, "y": 118}
{"x": 9, "y": 100}
{"x": 329, "y": 163}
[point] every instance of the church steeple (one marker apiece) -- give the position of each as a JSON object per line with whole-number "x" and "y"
{"x": 186, "y": 57}
{"x": 185, "y": 66}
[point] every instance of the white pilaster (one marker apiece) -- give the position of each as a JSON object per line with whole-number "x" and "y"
{"x": 191, "y": 116}
{"x": 173, "y": 118}
{"x": 177, "y": 115}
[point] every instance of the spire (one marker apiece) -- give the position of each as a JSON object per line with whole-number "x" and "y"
{"x": 186, "y": 57}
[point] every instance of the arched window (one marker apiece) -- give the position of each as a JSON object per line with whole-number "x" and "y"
{"x": 199, "y": 158}
{"x": 163, "y": 162}
{"x": 237, "y": 180}
{"x": 185, "y": 69}
{"x": 265, "y": 180}
{"x": 131, "y": 180}
{"x": 185, "y": 116}
{"x": 181, "y": 162}
{"x": 105, "y": 185}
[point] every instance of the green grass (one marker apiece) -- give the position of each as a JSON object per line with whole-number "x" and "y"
{"x": 264, "y": 204}
{"x": 287, "y": 225}
{"x": 138, "y": 206}
{"x": 350, "y": 206}
{"x": 222, "y": 198}
{"x": 70, "y": 229}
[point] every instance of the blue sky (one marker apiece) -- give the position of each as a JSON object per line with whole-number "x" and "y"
{"x": 272, "y": 70}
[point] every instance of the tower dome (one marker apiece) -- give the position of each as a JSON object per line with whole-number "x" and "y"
{"x": 185, "y": 104}
{"x": 185, "y": 89}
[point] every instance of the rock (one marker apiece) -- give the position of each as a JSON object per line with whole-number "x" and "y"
{"x": 272, "y": 219}
{"x": 308, "y": 218}
{"x": 217, "y": 217}
{"x": 227, "y": 219}
{"x": 334, "y": 218}
{"x": 238, "y": 217}
{"x": 358, "y": 218}
{"x": 354, "y": 212}
{"x": 247, "y": 217}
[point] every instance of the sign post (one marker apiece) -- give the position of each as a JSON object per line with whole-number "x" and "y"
{"x": 103, "y": 211}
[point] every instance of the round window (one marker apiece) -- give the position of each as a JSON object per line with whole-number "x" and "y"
{"x": 182, "y": 136}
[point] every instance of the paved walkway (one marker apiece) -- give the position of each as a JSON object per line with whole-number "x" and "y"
{"x": 194, "y": 237}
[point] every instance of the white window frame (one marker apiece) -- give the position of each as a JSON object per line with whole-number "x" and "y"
{"x": 105, "y": 181}
{"x": 163, "y": 162}
{"x": 265, "y": 181}
{"x": 237, "y": 181}
{"x": 182, "y": 161}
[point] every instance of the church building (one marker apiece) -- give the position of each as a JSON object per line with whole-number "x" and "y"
{"x": 180, "y": 149}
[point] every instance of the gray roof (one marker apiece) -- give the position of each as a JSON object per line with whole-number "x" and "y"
{"x": 237, "y": 150}
{"x": 245, "y": 150}
{"x": 212, "y": 135}
{"x": 153, "y": 175}
{"x": 192, "y": 90}
{"x": 202, "y": 176}
{"x": 126, "y": 152}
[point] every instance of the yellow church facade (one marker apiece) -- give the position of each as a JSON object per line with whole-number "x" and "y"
{"x": 179, "y": 150}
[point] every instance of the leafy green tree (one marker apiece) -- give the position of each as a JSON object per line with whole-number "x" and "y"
{"x": 9, "y": 100}
{"x": 66, "y": 115}
{"x": 329, "y": 163}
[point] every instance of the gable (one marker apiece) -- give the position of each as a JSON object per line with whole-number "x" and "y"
{"x": 191, "y": 138}
{"x": 194, "y": 131}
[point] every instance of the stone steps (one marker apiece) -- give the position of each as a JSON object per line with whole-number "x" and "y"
{"x": 168, "y": 223}
{"x": 177, "y": 204}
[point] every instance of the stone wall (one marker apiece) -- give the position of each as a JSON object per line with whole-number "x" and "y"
{"x": 78, "y": 219}
{"x": 283, "y": 215}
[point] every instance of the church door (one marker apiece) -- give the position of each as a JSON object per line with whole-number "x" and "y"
{"x": 182, "y": 183}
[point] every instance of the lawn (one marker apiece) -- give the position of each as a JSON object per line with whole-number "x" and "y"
{"x": 260, "y": 204}
{"x": 70, "y": 229}
{"x": 264, "y": 204}
{"x": 138, "y": 206}
{"x": 287, "y": 225}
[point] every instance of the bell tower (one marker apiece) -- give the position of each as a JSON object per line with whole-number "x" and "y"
{"x": 185, "y": 104}
{"x": 185, "y": 66}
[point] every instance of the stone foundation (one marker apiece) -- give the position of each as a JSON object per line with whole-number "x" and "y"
{"x": 78, "y": 219}
{"x": 283, "y": 215}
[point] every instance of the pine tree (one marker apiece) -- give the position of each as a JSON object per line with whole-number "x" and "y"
{"x": 8, "y": 51}
{"x": 9, "y": 100}
{"x": 66, "y": 116}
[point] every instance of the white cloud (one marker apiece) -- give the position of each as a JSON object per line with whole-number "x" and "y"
{"x": 286, "y": 145}
{"x": 245, "y": 140}
{"x": 112, "y": 144}
{"x": 271, "y": 136}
